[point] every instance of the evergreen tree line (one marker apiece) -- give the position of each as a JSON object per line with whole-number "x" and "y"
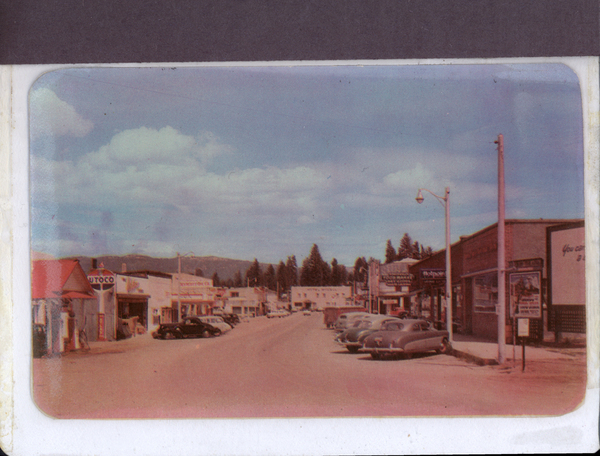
{"x": 316, "y": 272}
{"x": 407, "y": 249}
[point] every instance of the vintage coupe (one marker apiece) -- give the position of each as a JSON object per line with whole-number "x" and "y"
{"x": 404, "y": 337}
{"x": 188, "y": 327}
{"x": 352, "y": 338}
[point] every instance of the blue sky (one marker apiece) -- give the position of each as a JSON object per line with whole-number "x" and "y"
{"x": 264, "y": 161}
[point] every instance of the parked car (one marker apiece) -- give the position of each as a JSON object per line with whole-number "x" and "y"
{"x": 346, "y": 320}
{"x": 352, "y": 338}
{"x": 216, "y": 321}
{"x": 405, "y": 337}
{"x": 331, "y": 314}
{"x": 280, "y": 313}
{"x": 306, "y": 312}
{"x": 188, "y": 327}
{"x": 230, "y": 318}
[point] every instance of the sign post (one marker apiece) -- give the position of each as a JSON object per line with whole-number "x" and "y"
{"x": 103, "y": 280}
{"x": 523, "y": 333}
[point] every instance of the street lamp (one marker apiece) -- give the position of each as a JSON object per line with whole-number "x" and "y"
{"x": 179, "y": 283}
{"x": 444, "y": 201}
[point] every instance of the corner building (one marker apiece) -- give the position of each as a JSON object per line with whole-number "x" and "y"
{"x": 475, "y": 277}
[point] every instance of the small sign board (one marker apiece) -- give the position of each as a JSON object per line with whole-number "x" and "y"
{"x": 101, "y": 279}
{"x": 437, "y": 276}
{"x": 523, "y": 327}
{"x": 525, "y": 294}
{"x": 403, "y": 279}
{"x": 526, "y": 264}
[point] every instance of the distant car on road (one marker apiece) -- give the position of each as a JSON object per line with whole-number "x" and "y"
{"x": 280, "y": 313}
{"x": 352, "y": 338}
{"x": 406, "y": 337}
{"x": 306, "y": 313}
{"x": 188, "y": 327}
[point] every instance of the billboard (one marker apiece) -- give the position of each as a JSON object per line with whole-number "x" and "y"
{"x": 567, "y": 265}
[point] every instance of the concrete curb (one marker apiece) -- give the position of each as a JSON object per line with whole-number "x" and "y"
{"x": 473, "y": 358}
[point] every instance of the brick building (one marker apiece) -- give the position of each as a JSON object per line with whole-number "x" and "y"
{"x": 475, "y": 276}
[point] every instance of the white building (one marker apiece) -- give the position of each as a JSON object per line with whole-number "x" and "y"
{"x": 317, "y": 298}
{"x": 245, "y": 301}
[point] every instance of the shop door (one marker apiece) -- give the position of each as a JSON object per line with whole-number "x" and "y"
{"x": 468, "y": 305}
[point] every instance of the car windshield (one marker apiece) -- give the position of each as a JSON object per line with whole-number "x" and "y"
{"x": 393, "y": 326}
{"x": 365, "y": 324}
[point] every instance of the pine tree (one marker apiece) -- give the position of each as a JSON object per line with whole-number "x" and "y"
{"x": 336, "y": 273}
{"x": 406, "y": 247}
{"x": 416, "y": 254}
{"x": 291, "y": 267}
{"x": 254, "y": 275}
{"x": 281, "y": 278}
{"x": 315, "y": 272}
{"x": 237, "y": 279}
{"x": 390, "y": 252}
{"x": 359, "y": 274}
{"x": 269, "y": 278}
{"x": 216, "y": 280}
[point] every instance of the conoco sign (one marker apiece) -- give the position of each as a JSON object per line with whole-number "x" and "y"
{"x": 101, "y": 279}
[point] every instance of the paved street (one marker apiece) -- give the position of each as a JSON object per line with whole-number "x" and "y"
{"x": 290, "y": 367}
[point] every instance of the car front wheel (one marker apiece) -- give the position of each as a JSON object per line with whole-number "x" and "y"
{"x": 444, "y": 347}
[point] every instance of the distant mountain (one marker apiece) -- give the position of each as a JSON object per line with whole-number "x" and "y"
{"x": 224, "y": 267}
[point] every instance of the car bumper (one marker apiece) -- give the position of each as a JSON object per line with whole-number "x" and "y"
{"x": 382, "y": 350}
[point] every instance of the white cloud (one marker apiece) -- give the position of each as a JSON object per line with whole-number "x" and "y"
{"x": 52, "y": 116}
{"x": 410, "y": 178}
{"x": 146, "y": 167}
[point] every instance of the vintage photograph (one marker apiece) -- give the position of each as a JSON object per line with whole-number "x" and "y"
{"x": 307, "y": 241}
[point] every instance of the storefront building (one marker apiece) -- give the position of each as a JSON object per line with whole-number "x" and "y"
{"x": 191, "y": 295}
{"x": 244, "y": 301}
{"x": 132, "y": 295}
{"x": 158, "y": 308}
{"x": 317, "y": 298}
{"x": 63, "y": 303}
{"x": 475, "y": 277}
{"x": 389, "y": 286}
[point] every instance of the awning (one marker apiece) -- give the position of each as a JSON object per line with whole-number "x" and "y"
{"x": 77, "y": 295}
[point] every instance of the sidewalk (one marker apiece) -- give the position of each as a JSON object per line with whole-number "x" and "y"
{"x": 485, "y": 352}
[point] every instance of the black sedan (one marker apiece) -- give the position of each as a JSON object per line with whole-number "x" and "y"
{"x": 406, "y": 337}
{"x": 188, "y": 327}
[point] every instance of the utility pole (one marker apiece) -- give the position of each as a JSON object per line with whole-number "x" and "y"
{"x": 501, "y": 255}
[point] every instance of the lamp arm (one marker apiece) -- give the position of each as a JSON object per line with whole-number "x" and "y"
{"x": 439, "y": 198}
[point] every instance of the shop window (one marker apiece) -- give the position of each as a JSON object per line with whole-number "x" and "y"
{"x": 485, "y": 293}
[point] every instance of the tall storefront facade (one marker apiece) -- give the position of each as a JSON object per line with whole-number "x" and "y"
{"x": 192, "y": 295}
{"x": 388, "y": 286}
{"x": 475, "y": 277}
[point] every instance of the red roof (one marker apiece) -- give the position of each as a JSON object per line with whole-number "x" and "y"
{"x": 51, "y": 279}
